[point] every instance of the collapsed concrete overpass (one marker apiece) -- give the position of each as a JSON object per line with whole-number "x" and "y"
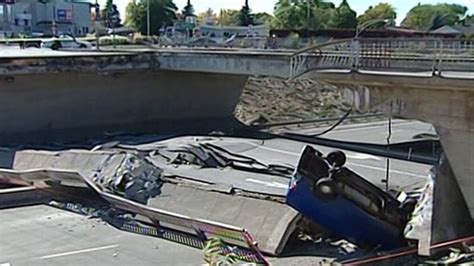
{"x": 49, "y": 93}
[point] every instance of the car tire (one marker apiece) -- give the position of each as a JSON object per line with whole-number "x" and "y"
{"x": 82, "y": 46}
{"x": 409, "y": 206}
{"x": 32, "y": 46}
{"x": 55, "y": 46}
{"x": 336, "y": 158}
{"x": 325, "y": 189}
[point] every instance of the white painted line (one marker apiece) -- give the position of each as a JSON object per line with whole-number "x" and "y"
{"x": 268, "y": 184}
{"x": 77, "y": 252}
{"x": 5, "y": 264}
{"x": 348, "y": 163}
{"x": 362, "y": 156}
{"x": 393, "y": 171}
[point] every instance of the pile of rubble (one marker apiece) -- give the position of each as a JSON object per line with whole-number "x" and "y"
{"x": 267, "y": 100}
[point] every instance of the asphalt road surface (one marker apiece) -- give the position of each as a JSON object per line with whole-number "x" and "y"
{"x": 42, "y": 235}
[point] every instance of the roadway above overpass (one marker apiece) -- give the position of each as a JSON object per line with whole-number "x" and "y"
{"x": 224, "y": 61}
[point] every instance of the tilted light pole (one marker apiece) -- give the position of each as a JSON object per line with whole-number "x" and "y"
{"x": 355, "y": 47}
{"x": 368, "y": 24}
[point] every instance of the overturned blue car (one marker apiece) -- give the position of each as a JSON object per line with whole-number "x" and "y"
{"x": 344, "y": 203}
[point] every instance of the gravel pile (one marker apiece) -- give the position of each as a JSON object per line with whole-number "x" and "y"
{"x": 269, "y": 100}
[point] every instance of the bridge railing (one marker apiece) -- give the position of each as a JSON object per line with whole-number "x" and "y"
{"x": 423, "y": 56}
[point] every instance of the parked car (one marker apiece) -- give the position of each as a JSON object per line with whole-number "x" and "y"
{"x": 65, "y": 41}
{"x": 333, "y": 196}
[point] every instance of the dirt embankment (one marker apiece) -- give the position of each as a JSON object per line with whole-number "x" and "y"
{"x": 269, "y": 100}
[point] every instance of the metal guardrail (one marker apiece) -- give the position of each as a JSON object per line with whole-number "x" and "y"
{"x": 433, "y": 56}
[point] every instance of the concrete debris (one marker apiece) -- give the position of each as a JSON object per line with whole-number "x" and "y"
{"x": 78, "y": 208}
{"x": 455, "y": 256}
{"x": 267, "y": 100}
{"x": 208, "y": 155}
{"x": 134, "y": 178}
{"x": 421, "y": 219}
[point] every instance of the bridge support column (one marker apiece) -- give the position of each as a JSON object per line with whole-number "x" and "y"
{"x": 452, "y": 113}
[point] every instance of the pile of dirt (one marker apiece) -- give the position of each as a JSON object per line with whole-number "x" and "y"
{"x": 269, "y": 100}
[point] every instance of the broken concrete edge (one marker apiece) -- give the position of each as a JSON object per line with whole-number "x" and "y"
{"x": 223, "y": 62}
{"x": 227, "y": 233}
{"x": 84, "y": 63}
{"x": 22, "y": 196}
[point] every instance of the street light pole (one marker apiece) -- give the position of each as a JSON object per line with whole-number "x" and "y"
{"x": 148, "y": 19}
{"x": 355, "y": 47}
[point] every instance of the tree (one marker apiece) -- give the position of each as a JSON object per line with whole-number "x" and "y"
{"x": 208, "y": 17}
{"x": 289, "y": 14}
{"x": 245, "y": 16}
{"x": 422, "y": 17}
{"x": 188, "y": 10}
{"x": 262, "y": 18}
{"x": 162, "y": 13}
{"x": 293, "y": 14}
{"x": 228, "y": 17}
{"x": 381, "y": 11}
{"x": 344, "y": 17}
{"x": 110, "y": 15}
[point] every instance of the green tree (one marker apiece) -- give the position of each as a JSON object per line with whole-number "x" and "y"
{"x": 263, "y": 18}
{"x": 110, "y": 15}
{"x": 228, "y": 17}
{"x": 288, "y": 15}
{"x": 245, "y": 16}
{"x": 380, "y": 11}
{"x": 293, "y": 14}
{"x": 207, "y": 17}
{"x": 188, "y": 10}
{"x": 344, "y": 17}
{"x": 162, "y": 13}
{"x": 428, "y": 17}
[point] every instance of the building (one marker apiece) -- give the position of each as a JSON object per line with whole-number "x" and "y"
{"x": 229, "y": 31}
{"x": 45, "y": 17}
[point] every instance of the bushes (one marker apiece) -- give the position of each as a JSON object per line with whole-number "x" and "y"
{"x": 113, "y": 40}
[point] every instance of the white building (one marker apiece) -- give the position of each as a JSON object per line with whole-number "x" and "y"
{"x": 45, "y": 17}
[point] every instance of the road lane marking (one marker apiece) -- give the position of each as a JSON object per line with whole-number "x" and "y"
{"x": 268, "y": 184}
{"x": 348, "y": 163}
{"x": 392, "y": 171}
{"x": 77, "y": 252}
{"x": 362, "y": 156}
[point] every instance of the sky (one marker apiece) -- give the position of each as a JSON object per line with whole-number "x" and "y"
{"x": 402, "y": 6}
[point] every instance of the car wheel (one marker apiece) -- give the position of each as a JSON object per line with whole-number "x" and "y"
{"x": 32, "y": 46}
{"x": 325, "y": 189}
{"x": 336, "y": 158}
{"x": 409, "y": 206}
{"x": 82, "y": 46}
{"x": 56, "y": 46}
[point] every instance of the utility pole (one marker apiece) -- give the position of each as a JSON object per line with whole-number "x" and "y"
{"x": 148, "y": 19}
{"x": 96, "y": 20}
